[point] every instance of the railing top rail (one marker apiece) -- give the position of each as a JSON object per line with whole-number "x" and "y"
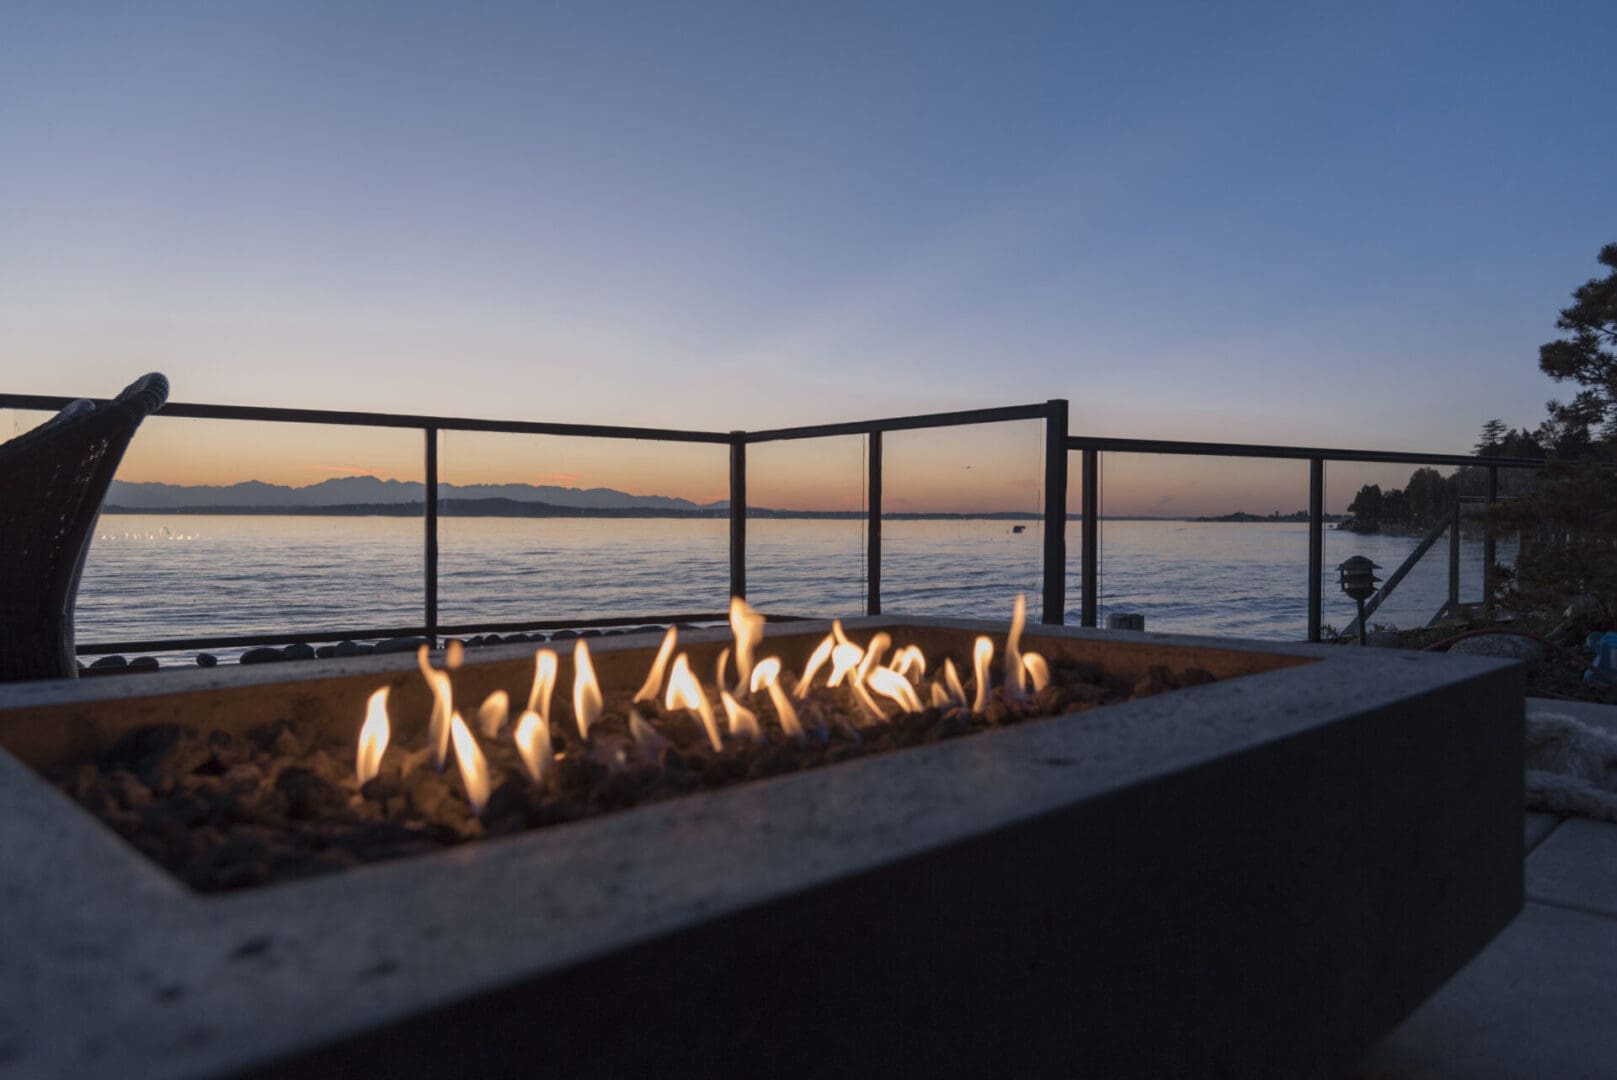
{"x": 389, "y": 420}
{"x": 1260, "y": 450}
{"x": 905, "y": 423}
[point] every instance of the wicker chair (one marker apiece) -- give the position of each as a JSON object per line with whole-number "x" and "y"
{"x": 52, "y": 481}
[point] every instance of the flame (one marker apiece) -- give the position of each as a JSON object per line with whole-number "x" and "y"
{"x": 844, "y": 658}
{"x": 684, "y": 692}
{"x": 586, "y": 690}
{"x": 533, "y": 743}
{"x": 866, "y": 703}
{"x": 718, "y": 668}
{"x": 878, "y": 645}
{"x": 544, "y": 681}
{"x": 454, "y": 654}
{"x": 1038, "y": 669}
{"x": 940, "y": 697}
{"x": 646, "y": 739}
{"x": 838, "y": 633}
{"x": 767, "y": 673}
{"x": 1015, "y": 673}
{"x": 816, "y": 661}
{"x": 743, "y": 721}
{"x": 748, "y": 627}
{"x": 372, "y": 738}
{"x": 493, "y": 713}
{"x": 654, "y": 678}
{"x": 909, "y": 658}
{"x": 473, "y": 769}
{"x": 952, "y": 678}
{"x": 442, "y": 706}
{"x": 982, "y": 652}
{"x": 891, "y": 684}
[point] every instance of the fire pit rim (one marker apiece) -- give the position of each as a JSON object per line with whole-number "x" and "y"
{"x": 275, "y": 942}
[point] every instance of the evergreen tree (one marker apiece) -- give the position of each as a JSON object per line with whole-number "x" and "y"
{"x": 1587, "y": 355}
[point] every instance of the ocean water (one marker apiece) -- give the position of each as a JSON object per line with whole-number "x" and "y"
{"x": 162, "y": 576}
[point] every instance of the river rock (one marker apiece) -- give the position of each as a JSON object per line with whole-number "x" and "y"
{"x": 400, "y": 644}
{"x": 325, "y": 652}
{"x": 298, "y": 651}
{"x": 143, "y": 663}
{"x": 205, "y": 659}
{"x": 262, "y": 656}
{"x": 1510, "y": 646}
{"x": 345, "y": 648}
{"x": 109, "y": 662}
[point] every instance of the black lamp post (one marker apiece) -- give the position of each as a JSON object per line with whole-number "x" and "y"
{"x": 1358, "y": 579}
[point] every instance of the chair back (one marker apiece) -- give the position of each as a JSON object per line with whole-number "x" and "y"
{"x": 52, "y": 482}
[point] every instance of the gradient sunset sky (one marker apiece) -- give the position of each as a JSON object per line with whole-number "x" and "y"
{"x": 1328, "y": 224}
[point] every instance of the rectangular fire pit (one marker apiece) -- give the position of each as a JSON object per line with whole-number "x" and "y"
{"x": 1257, "y": 876}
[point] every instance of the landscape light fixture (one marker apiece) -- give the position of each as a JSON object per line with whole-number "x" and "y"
{"x": 1358, "y": 579}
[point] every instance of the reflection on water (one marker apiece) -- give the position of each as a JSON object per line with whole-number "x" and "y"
{"x": 237, "y": 575}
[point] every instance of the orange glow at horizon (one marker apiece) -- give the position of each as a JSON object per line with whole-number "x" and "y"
{"x": 978, "y": 469}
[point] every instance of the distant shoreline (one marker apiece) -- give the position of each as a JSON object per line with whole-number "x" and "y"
{"x": 508, "y": 508}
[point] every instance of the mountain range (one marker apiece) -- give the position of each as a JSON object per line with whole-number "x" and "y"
{"x": 372, "y": 491}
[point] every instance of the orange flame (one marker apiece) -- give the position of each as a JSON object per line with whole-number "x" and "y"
{"x": 816, "y": 661}
{"x": 586, "y": 690}
{"x": 372, "y": 738}
{"x": 533, "y": 743}
{"x": 748, "y": 627}
{"x": 910, "y": 659}
{"x": 873, "y": 651}
{"x": 718, "y": 668}
{"x": 838, "y": 633}
{"x": 767, "y": 673}
{"x": 982, "y": 653}
{"x": 1038, "y": 669}
{"x": 844, "y": 658}
{"x": 1015, "y": 673}
{"x": 654, "y": 678}
{"x": 454, "y": 654}
{"x": 952, "y": 678}
{"x": 442, "y": 706}
{"x": 890, "y": 684}
{"x": 684, "y": 692}
{"x": 493, "y": 713}
{"x": 544, "y": 682}
{"x": 473, "y": 769}
{"x": 743, "y": 721}
{"x": 646, "y": 740}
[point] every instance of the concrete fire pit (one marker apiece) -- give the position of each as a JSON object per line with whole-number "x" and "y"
{"x": 1258, "y": 876}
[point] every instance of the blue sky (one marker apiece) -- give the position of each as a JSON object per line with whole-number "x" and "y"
{"x": 1341, "y": 224}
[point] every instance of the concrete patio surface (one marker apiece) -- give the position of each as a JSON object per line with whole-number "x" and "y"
{"x": 1541, "y": 1001}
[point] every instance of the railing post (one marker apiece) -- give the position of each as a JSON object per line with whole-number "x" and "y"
{"x": 1091, "y": 537}
{"x": 1489, "y": 550}
{"x": 1316, "y": 543}
{"x": 429, "y": 551}
{"x": 738, "y": 513}
{"x": 1454, "y": 559}
{"x": 873, "y": 529}
{"x": 1055, "y": 511}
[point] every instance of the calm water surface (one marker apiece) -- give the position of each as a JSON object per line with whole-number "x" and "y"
{"x": 151, "y": 576}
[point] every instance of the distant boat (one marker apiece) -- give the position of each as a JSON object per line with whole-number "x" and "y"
{"x": 1018, "y": 528}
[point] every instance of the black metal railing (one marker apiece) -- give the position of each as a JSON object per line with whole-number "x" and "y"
{"x": 1058, "y": 444}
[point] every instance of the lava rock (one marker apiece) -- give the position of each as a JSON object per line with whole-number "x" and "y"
{"x": 427, "y": 794}
{"x": 307, "y": 795}
{"x": 262, "y": 656}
